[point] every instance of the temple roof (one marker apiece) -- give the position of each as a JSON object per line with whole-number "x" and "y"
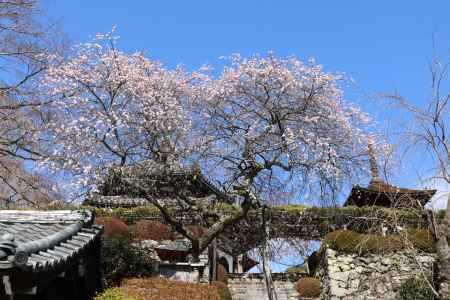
{"x": 115, "y": 201}
{"x": 382, "y": 194}
{"x": 165, "y": 182}
{"x": 39, "y": 241}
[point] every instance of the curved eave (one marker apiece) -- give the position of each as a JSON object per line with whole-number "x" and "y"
{"x": 115, "y": 201}
{"x": 70, "y": 234}
{"x": 361, "y": 196}
{"x": 61, "y": 255}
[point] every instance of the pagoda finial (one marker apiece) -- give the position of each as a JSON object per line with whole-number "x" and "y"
{"x": 372, "y": 159}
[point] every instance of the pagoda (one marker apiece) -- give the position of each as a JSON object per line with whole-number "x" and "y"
{"x": 380, "y": 193}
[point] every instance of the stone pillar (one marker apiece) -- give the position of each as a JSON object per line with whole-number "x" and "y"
{"x": 443, "y": 253}
{"x": 239, "y": 266}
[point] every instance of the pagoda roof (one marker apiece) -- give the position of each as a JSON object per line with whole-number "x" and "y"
{"x": 380, "y": 193}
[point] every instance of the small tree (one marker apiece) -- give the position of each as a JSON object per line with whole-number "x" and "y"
{"x": 428, "y": 134}
{"x": 430, "y": 123}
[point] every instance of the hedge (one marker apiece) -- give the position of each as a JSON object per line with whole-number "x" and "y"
{"x": 353, "y": 242}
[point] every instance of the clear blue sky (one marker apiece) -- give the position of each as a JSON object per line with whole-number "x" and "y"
{"x": 384, "y": 45}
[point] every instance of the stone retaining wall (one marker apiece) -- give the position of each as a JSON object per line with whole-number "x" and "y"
{"x": 352, "y": 276}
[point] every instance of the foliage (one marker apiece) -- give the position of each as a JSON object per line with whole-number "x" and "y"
{"x": 296, "y": 270}
{"x": 114, "y": 293}
{"x": 350, "y": 241}
{"x": 113, "y": 227}
{"x": 120, "y": 260}
{"x": 415, "y": 289}
{"x": 152, "y": 230}
{"x": 196, "y": 230}
{"x": 155, "y": 288}
{"x": 131, "y": 215}
{"x": 422, "y": 239}
{"x": 308, "y": 287}
{"x": 128, "y": 215}
{"x": 440, "y": 214}
{"x": 224, "y": 292}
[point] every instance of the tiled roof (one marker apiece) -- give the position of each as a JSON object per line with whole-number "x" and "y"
{"x": 115, "y": 201}
{"x": 164, "y": 182}
{"x": 383, "y": 194}
{"x": 176, "y": 245}
{"x": 44, "y": 240}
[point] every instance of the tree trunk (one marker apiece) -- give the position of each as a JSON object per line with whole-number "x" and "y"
{"x": 443, "y": 254}
{"x": 271, "y": 293}
{"x": 195, "y": 251}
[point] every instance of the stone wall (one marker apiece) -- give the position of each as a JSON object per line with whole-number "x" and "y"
{"x": 252, "y": 287}
{"x": 352, "y": 276}
{"x": 187, "y": 272}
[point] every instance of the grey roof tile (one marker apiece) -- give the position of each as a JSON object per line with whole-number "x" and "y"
{"x": 42, "y": 240}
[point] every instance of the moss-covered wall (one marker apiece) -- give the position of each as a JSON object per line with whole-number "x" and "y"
{"x": 309, "y": 223}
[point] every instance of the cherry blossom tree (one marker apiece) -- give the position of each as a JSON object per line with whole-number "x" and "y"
{"x": 264, "y": 124}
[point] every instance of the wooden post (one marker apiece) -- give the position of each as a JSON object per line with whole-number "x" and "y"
{"x": 212, "y": 258}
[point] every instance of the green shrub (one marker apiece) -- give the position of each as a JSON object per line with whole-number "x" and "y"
{"x": 308, "y": 287}
{"x": 350, "y": 241}
{"x": 120, "y": 259}
{"x": 224, "y": 292}
{"x": 343, "y": 240}
{"x": 415, "y": 289}
{"x": 422, "y": 239}
{"x": 113, "y": 294}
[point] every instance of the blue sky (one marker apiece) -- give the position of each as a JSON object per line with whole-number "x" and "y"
{"x": 383, "y": 45}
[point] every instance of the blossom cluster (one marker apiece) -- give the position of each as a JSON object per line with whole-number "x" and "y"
{"x": 111, "y": 108}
